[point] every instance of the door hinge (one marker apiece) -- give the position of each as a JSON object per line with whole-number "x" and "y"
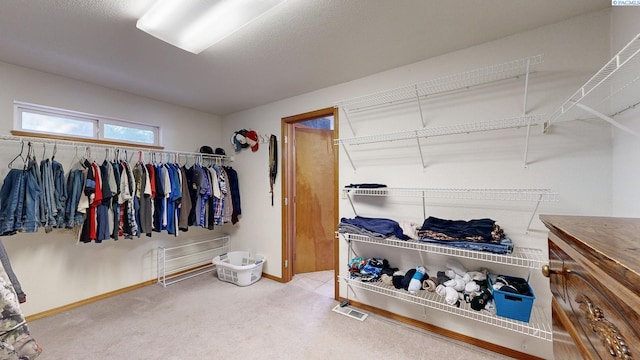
{"x": 286, "y": 201}
{"x": 286, "y": 139}
{"x": 286, "y": 263}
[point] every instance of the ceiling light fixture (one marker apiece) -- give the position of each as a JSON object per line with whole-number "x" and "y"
{"x": 195, "y": 25}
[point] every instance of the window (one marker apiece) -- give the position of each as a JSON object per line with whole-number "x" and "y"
{"x": 53, "y": 121}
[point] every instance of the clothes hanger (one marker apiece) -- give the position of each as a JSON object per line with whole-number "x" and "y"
{"x": 55, "y": 150}
{"x": 87, "y": 154}
{"x": 19, "y": 155}
{"x": 31, "y": 155}
{"x": 75, "y": 158}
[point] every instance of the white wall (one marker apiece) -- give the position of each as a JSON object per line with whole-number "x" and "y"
{"x": 53, "y": 270}
{"x": 573, "y": 158}
{"x": 626, "y": 148}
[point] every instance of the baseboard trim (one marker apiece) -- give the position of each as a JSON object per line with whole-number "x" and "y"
{"x": 93, "y": 299}
{"x": 444, "y": 332}
{"x": 90, "y": 300}
{"x": 274, "y": 278}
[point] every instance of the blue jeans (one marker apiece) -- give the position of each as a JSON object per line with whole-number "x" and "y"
{"x": 60, "y": 195}
{"x": 33, "y": 197}
{"x": 49, "y": 211}
{"x": 75, "y": 183}
{"x": 11, "y": 202}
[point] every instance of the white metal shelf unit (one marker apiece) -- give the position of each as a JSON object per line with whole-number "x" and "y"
{"x": 415, "y": 92}
{"x": 183, "y": 262}
{"x": 537, "y": 195}
{"x": 539, "y": 326}
{"x": 529, "y": 258}
{"x": 466, "y": 128}
{"x": 609, "y": 92}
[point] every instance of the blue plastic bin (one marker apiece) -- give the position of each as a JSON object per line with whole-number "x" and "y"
{"x": 511, "y": 305}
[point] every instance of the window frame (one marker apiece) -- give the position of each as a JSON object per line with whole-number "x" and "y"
{"x": 98, "y": 122}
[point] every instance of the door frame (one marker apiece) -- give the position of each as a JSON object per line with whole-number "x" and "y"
{"x": 288, "y": 172}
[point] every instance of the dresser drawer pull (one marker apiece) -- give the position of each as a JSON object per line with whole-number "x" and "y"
{"x": 607, "y": 332}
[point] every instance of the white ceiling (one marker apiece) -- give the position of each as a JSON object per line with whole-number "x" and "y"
{"x": 303, "y": 45}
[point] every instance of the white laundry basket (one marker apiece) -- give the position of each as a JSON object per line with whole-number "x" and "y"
{"x": 239, "y": 267}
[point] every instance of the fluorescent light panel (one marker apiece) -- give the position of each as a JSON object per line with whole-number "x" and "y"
{"x": 195, "y": 25}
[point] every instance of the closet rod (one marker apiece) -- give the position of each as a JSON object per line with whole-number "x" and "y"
{"x": 104, "y": 146}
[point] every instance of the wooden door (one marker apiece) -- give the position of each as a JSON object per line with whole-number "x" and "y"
{"x": 314, "y": 199}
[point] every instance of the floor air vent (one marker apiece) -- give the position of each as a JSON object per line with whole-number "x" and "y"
{"x": 350, "y": 312}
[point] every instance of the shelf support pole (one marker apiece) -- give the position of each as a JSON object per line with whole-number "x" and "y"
{"x": 351, "y": 202}
{"x": 348, "y": 156}
{"x": 526, "y": 143}
{"x": 526, "y": 88}
{"x": 534, "y": 213}
{"x": 424, "y": 206}
{"x": 420, "y": 150}
{"x": 608, "y": 119}
{"x": 419, "y": 106}
{"x": 524, "y": 112}
{"x": 346, "y": 115}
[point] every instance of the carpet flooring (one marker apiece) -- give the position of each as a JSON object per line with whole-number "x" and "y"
{"x": 205, "y": 318}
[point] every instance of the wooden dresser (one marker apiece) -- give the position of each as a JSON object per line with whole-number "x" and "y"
{"x": 594, "y": 271}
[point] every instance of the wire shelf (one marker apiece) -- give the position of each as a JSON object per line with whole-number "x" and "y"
{"x": 610, "y": 91}
{"x": 183, "y": 262}
{"x": 529, "y": 258}
{"x": 480, "y": 76}
{"x": 458, "y": 193}
{"x": 539, "y": 325}
{"x": 508, "y": 123}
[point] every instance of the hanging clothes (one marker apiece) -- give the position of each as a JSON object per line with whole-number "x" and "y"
{"x": 220, "y": 203}
{"x": 143, "y": 195}
{"x": 75, "y": 184}
{"x": 273, "y": 163}
{"x": 32, "y": 194}
{"x": 232, "y": 176}
{"x": 115, "y": 201}
{"x": 49, "y": 211}
{"x": 158, "y": 200}
{"x": 185, "y": 206}
{"x": 227, "y": 204}
{"x": 60, "y": 192}
{"x": 173, "y": 183}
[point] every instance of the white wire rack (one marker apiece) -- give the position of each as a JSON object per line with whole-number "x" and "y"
{"x": 610, "y": 91}
{"x": 533, "y": 195}
{"x": 480, "y": 76}
{"x": 539, "y": 326}
{"x": 458, "y": 193}
{"x": 465, "y": 128}
{"x": 529, "y": 258}
{"x": 183, "y": 262}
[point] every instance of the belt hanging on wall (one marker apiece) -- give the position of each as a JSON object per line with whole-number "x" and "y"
{"x": 273, "y": 163}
